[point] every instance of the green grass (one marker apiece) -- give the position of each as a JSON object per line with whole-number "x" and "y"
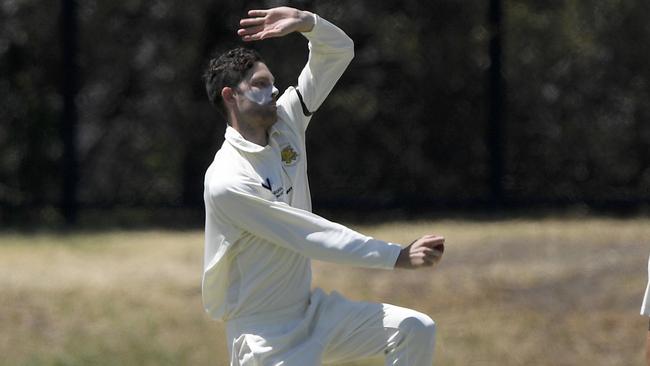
{"x": 513, "y": 292}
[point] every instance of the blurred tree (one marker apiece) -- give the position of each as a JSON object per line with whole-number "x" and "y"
{"x": 579, "y": 102}
{"x": 408, "y": 112}
{"x": 30, "y": 103}
{"x": 405, "y": 127}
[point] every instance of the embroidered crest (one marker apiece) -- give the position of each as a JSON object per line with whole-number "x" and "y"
{"x": 289, "y": 155}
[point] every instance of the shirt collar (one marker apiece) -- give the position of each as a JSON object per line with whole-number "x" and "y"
{"x": 238, "y": 141}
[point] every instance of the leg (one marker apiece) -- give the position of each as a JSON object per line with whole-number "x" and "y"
{"x": 406, "y": 337}
{"x": 413, "y": 337}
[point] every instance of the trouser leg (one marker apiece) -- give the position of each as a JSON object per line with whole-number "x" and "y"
{"x": 405, "y": 337}
{"x": 412, "y": 338}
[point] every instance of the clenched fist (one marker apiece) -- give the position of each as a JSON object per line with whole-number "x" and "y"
{"x": 424, "y": 252}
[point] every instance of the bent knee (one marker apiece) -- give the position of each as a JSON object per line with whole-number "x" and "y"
{"x": 420, "y": 325}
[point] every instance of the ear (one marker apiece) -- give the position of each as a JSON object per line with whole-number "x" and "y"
{"x": 227, "y": 94}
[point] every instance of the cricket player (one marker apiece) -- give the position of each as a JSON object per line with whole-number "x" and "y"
{"x": 645, "y": 310}
{"x": 260, "y": 234}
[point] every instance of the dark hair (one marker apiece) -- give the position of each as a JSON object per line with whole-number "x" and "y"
{"x": 228, "y": 70}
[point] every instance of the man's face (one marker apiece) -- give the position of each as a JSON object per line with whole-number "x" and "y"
{"x": 256, "y": 96}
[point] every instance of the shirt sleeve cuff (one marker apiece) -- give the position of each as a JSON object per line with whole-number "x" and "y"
{"x": 392, "y": 254}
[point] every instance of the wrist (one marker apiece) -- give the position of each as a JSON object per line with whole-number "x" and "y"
{"x": 307, "y": 21}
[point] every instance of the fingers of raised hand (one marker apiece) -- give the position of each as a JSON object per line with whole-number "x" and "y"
{"x": 255, "y": 37}
{"x": 251, "y": 22}
{"x": 248, "y": 37}
{"x": 250, "y": 30}
{"x": 261, "y": 35}
{"x": 257, "y": 13}
{"x": 251, "y": 27}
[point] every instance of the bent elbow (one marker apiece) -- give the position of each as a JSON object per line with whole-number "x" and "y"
{"x": 348, "y": 50}
{"x": 351, "y": 48}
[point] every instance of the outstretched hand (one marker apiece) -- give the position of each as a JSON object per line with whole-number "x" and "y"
{"x": 275, "y": 22}
{"x": 424, "y": 252}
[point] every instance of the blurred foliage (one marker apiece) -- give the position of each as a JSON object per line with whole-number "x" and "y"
{"x": 578, "y": 99}
{"x": 406, "y": 124}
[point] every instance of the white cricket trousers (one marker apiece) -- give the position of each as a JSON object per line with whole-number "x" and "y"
{"x": 332, "y": 329}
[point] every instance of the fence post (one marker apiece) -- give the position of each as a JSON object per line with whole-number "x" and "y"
{"x": 496, "y": 105}
{"x": 69, "y": 116}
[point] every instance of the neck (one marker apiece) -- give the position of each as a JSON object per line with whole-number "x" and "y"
{"x": 255, "y": 134}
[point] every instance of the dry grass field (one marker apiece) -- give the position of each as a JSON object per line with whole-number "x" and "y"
{"x": 510, "y": 292}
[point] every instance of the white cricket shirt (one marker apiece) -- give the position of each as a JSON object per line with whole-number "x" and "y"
{"x": 260, "y": 233}
{"x": 645, "y": 307}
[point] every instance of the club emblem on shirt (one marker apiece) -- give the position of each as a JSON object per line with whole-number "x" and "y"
{"x": 289, "y": 155}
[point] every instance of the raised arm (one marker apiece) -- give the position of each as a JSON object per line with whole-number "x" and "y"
{"x": 330, "y": 52}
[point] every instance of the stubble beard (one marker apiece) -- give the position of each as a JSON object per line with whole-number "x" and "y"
{"x": 268, "y": 116}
